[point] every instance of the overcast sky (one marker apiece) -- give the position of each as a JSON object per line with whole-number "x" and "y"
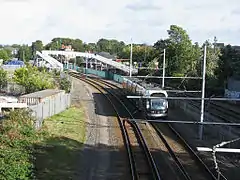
{"x": 146, "y": 21}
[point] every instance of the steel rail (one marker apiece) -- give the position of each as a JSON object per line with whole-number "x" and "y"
{"x": 185, "y": 144}
{"x": 123, "y": 129}
{"x": 137, "y": 130}
{"x": 148, "y": 154}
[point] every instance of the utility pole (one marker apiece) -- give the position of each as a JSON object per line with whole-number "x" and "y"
{"x": 86, "y": 61}
{"x": 145, "y": 53}
{"x": 164, "y": 64}
{"x": 203, "y": 91}
{"x": 215, "y": 43}
{"x": 23, "y": 56}
{"x": 131, "y": 59}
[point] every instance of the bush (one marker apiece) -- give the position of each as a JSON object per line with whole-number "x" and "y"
{"x": 33, "y": 80}
{"x": 56, "y": 72}
{"x": 3, "y": 78}
{"x": 17, "y": 136}
{"x": 65, "y": 84}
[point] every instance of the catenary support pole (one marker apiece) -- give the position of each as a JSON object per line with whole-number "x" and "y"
{"x": 164, "y": 62}
{"x": 86, "y": 62}
{"x": 131, "y": 59}
{"x": 203, "y": 92}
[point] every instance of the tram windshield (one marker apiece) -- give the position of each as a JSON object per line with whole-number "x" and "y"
{"x": 158, "y": 104}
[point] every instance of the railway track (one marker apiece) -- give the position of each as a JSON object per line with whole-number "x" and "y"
{"x": 218, "y": 111}
{"x": 141, "y": 163}
{"x": 189, "y": 164}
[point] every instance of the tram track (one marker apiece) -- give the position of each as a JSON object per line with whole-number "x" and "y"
{"x": 141, "y": 163}
{"x": 188, "y": 162}
{"x": 218, "y": 111}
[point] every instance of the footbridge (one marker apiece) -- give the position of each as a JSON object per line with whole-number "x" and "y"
{"x": 54, "y": 63}
{"x": 97, "y": 57}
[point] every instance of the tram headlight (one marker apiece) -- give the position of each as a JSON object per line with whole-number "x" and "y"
{"x": 165, "y": 104}
{"x": 147, "y": 105}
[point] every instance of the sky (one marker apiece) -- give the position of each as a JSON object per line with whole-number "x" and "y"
{"x": 145, "y": 21}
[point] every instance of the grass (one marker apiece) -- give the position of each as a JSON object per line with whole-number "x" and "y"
{"x": 51, "y": 153}
{"x": 58, "y": 154}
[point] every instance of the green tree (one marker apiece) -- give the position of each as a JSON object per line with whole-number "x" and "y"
{"x": 32, "y": 79}
{"x": 181, "y": 49}
{"x": 77, "y": 45}
{"x": 65, "y": 84}
{"x": 25, "y": 53}
{"x": 181, "y": 54}
{"x": 16, "y": 46}
{"x": 141, "y": 53}
{"x": 103, "y": 45}
{"x": 55, "y": 44}
{"x": 3, "y": 78}
{"x": 212, "y": 58}
{"x": 36, "y": 46}
{"x": 227, "y": 65}
{"x": 112, "y": 46}
{"x": 91, "y": 47}
{"x": 4, "y": 55}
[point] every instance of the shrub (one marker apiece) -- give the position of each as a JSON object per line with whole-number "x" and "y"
{"x": 65, "y": 84}
{"x": 3, "y": 78}
{"x": 56, "y": 72}
{"x": 33, "y": 80}
{"x": 17, "y": 136}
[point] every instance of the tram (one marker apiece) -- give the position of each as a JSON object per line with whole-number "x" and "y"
{"x": 152, "y": 108}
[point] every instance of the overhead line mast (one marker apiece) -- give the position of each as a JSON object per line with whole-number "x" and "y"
{"x": 131, "y": 59}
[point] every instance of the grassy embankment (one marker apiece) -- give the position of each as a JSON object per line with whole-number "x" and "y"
{"x": 51, "y": 153}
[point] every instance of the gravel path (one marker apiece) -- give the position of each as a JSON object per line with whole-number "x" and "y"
{"x": 103, "y": 155}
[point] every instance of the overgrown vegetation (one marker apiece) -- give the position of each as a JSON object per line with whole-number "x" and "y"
{"x": 33, "y": 80}
{"x": 17, "y": 136}
{"x": 37, "y": 79}
{"x": 26, "y": 153}
{"x": 65, "y": 84}
{"x": 3, "y": 78}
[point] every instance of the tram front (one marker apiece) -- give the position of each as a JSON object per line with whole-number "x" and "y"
{"x": 157, "y": 107}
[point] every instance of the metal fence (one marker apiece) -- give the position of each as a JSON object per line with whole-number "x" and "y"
{"x": 46, "y": 103}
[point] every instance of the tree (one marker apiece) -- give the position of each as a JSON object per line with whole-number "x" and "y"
{"x": 112, "y": 46}
{"x": 181, "y": 54}
{"x": 65, "y": 84}
{"x": 32, "y": 79}
{"x": 4, "y": 55}
{"x": 181, "y": 50}
{"x": 103, "y": 45}
{"x": 212, "y": 58}
{"x": 9, "y": 52}
{"x": 227, "y": 65}
{"x": 77, "y": 45}
{"x": 24, "y": 53}
{"x": 90, "y": 47}
{"x": 36, "y": 46}
{"x": 55, "y": 44}
{"x": 3, "y": 78}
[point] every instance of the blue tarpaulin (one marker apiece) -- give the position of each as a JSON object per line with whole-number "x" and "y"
{"x": 15, "y": 62}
